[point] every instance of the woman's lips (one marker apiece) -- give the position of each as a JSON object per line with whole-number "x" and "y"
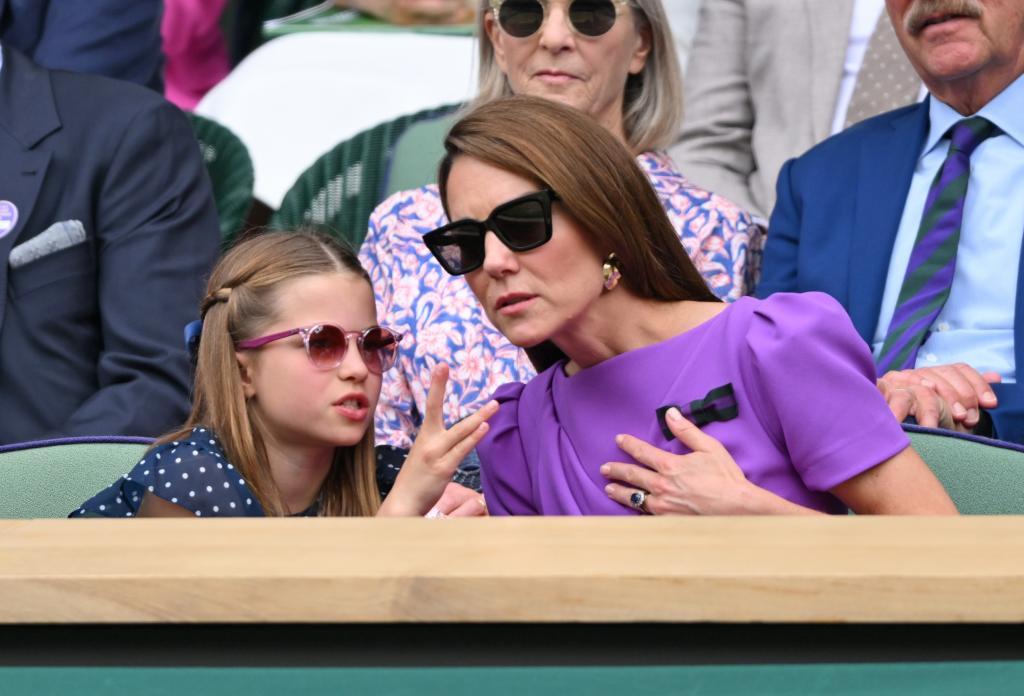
{"x": 554, "y": 77}
{"x": 512, "y": 305}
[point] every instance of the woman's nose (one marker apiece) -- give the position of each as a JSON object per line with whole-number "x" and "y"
{"x": 556, "y": 33}
{"x": 499, "y": 260}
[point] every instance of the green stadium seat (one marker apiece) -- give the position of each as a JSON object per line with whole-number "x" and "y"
{"x": 231, "y": 173}
{"x": 51, "y": 478}
{"x": 417, "y": 154}
{"x": 982, "y": 476}
{"x": 338, "y": 192}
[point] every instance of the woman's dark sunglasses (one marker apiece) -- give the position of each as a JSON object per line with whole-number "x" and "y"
{"x": 521, "y": 224}
{"x": 522, "y": 18}
{"x": 326, "y": 345}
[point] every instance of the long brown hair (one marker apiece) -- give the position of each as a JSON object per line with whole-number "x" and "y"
{"x": 598, "y": 183}
{"x": 241, "y": 299}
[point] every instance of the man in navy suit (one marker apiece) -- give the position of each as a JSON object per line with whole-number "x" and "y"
{"x": 857, "y": 217}
{"x": 116, "y": 38}
{"x": 107, "y": 232}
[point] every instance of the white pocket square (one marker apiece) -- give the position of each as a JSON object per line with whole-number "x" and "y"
{"x": 56, "y": 237}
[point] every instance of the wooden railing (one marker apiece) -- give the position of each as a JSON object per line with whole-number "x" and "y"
{"x": 779, "y": 570}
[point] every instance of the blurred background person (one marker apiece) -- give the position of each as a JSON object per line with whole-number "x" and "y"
{"x": 769, "y": 79}
{"x": 107, "y": 231}
{"x": 195, "y": 49}
{"x": 115, "y": 38}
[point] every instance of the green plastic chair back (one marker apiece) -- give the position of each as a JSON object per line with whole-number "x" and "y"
{"x": 417, "y": 154}
{"x": 230, "y": 168}
{"x": 982, "y": 476}
{"x": 52, "y": 478}
{"x": 338, "y": 192}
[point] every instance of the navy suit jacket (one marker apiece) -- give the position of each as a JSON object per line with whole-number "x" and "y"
{"x": 116, "y": 38}
{"x": 835, "y": 222}
{"x": 90, "y": 336}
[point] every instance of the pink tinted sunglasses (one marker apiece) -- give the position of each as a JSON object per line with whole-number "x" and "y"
{"x": 326, "y": 345}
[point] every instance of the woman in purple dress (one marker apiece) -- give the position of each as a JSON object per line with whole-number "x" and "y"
{"x": 652, "y": 395}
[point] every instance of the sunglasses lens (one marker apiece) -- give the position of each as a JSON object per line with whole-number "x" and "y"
{"x": 521, "y": 18}
{"x": 379, "y": 349}
{"x": 460, "y": 249}
{"x": 592, "y": 17}
{"x": 326, "y": 346}
{"x": 522, "y": 225}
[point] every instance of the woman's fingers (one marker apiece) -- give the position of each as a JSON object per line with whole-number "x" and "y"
{"x": 685, "y": 431}
{"x": 630, "y": 474}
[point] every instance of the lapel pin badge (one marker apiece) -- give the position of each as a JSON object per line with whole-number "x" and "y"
{"x": 8, "y": 217}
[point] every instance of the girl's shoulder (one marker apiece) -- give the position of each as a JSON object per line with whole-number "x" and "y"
{"x": 192, "y": 472}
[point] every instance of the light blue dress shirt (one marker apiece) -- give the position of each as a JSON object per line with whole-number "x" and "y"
{"x": 976, "y": 324}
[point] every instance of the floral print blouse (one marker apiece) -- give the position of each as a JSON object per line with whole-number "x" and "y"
{"x": 443, "y": 322}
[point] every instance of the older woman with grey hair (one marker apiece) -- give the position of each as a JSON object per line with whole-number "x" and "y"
{"x": 612, "y": 59}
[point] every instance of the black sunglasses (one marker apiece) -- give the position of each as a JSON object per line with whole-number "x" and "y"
{"x": 521, "y": 224}
{"x": 522, "y": 18}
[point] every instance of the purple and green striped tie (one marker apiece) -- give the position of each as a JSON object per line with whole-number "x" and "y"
{"x": 929, "y": 275}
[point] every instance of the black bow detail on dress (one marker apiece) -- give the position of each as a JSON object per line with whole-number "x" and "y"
{"x": 718, "y": 405}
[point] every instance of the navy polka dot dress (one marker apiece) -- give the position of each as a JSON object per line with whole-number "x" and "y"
{"x": 192, "y": 473}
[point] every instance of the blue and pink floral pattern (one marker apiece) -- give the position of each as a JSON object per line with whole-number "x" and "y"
{"x": 443, "y": 322}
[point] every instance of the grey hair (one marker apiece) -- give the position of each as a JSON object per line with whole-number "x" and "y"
{"x": 652, "y": 109}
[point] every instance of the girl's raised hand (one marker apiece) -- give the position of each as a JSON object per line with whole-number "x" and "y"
{"x": 436, "y": 453}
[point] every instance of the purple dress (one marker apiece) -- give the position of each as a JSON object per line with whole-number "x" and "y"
{"x": 808, "y": 415}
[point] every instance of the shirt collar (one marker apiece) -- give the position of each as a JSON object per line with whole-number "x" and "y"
{"x": 1005, "y": 111}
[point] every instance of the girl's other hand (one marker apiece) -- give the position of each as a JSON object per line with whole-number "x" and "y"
{"x": 459, "y": 501}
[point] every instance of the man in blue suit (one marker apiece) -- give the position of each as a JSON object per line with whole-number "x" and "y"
{"x": 913, "y": 220}
{"x": 116, "y": 38}
{"x": 107, "y": 231}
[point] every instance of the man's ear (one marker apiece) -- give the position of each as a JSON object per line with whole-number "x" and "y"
{"x": 245, "y": 367}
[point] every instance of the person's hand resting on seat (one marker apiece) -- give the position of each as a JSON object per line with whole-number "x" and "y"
{"x": 945, "y": 396}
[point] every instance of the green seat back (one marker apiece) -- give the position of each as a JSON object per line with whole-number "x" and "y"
{"x": 231, "y": 173}
{"x": 417, "y": 154}
{"x": 338, "y": 192}
{"x": 983, "y": 477}
{"x": 52, "y": 478}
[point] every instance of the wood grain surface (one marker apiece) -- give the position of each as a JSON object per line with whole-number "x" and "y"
{"x": 832, "y": 569}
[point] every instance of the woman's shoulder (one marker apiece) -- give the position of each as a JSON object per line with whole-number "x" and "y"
{"x": 798, "y": 324}
{"x": 798, "y": 311}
